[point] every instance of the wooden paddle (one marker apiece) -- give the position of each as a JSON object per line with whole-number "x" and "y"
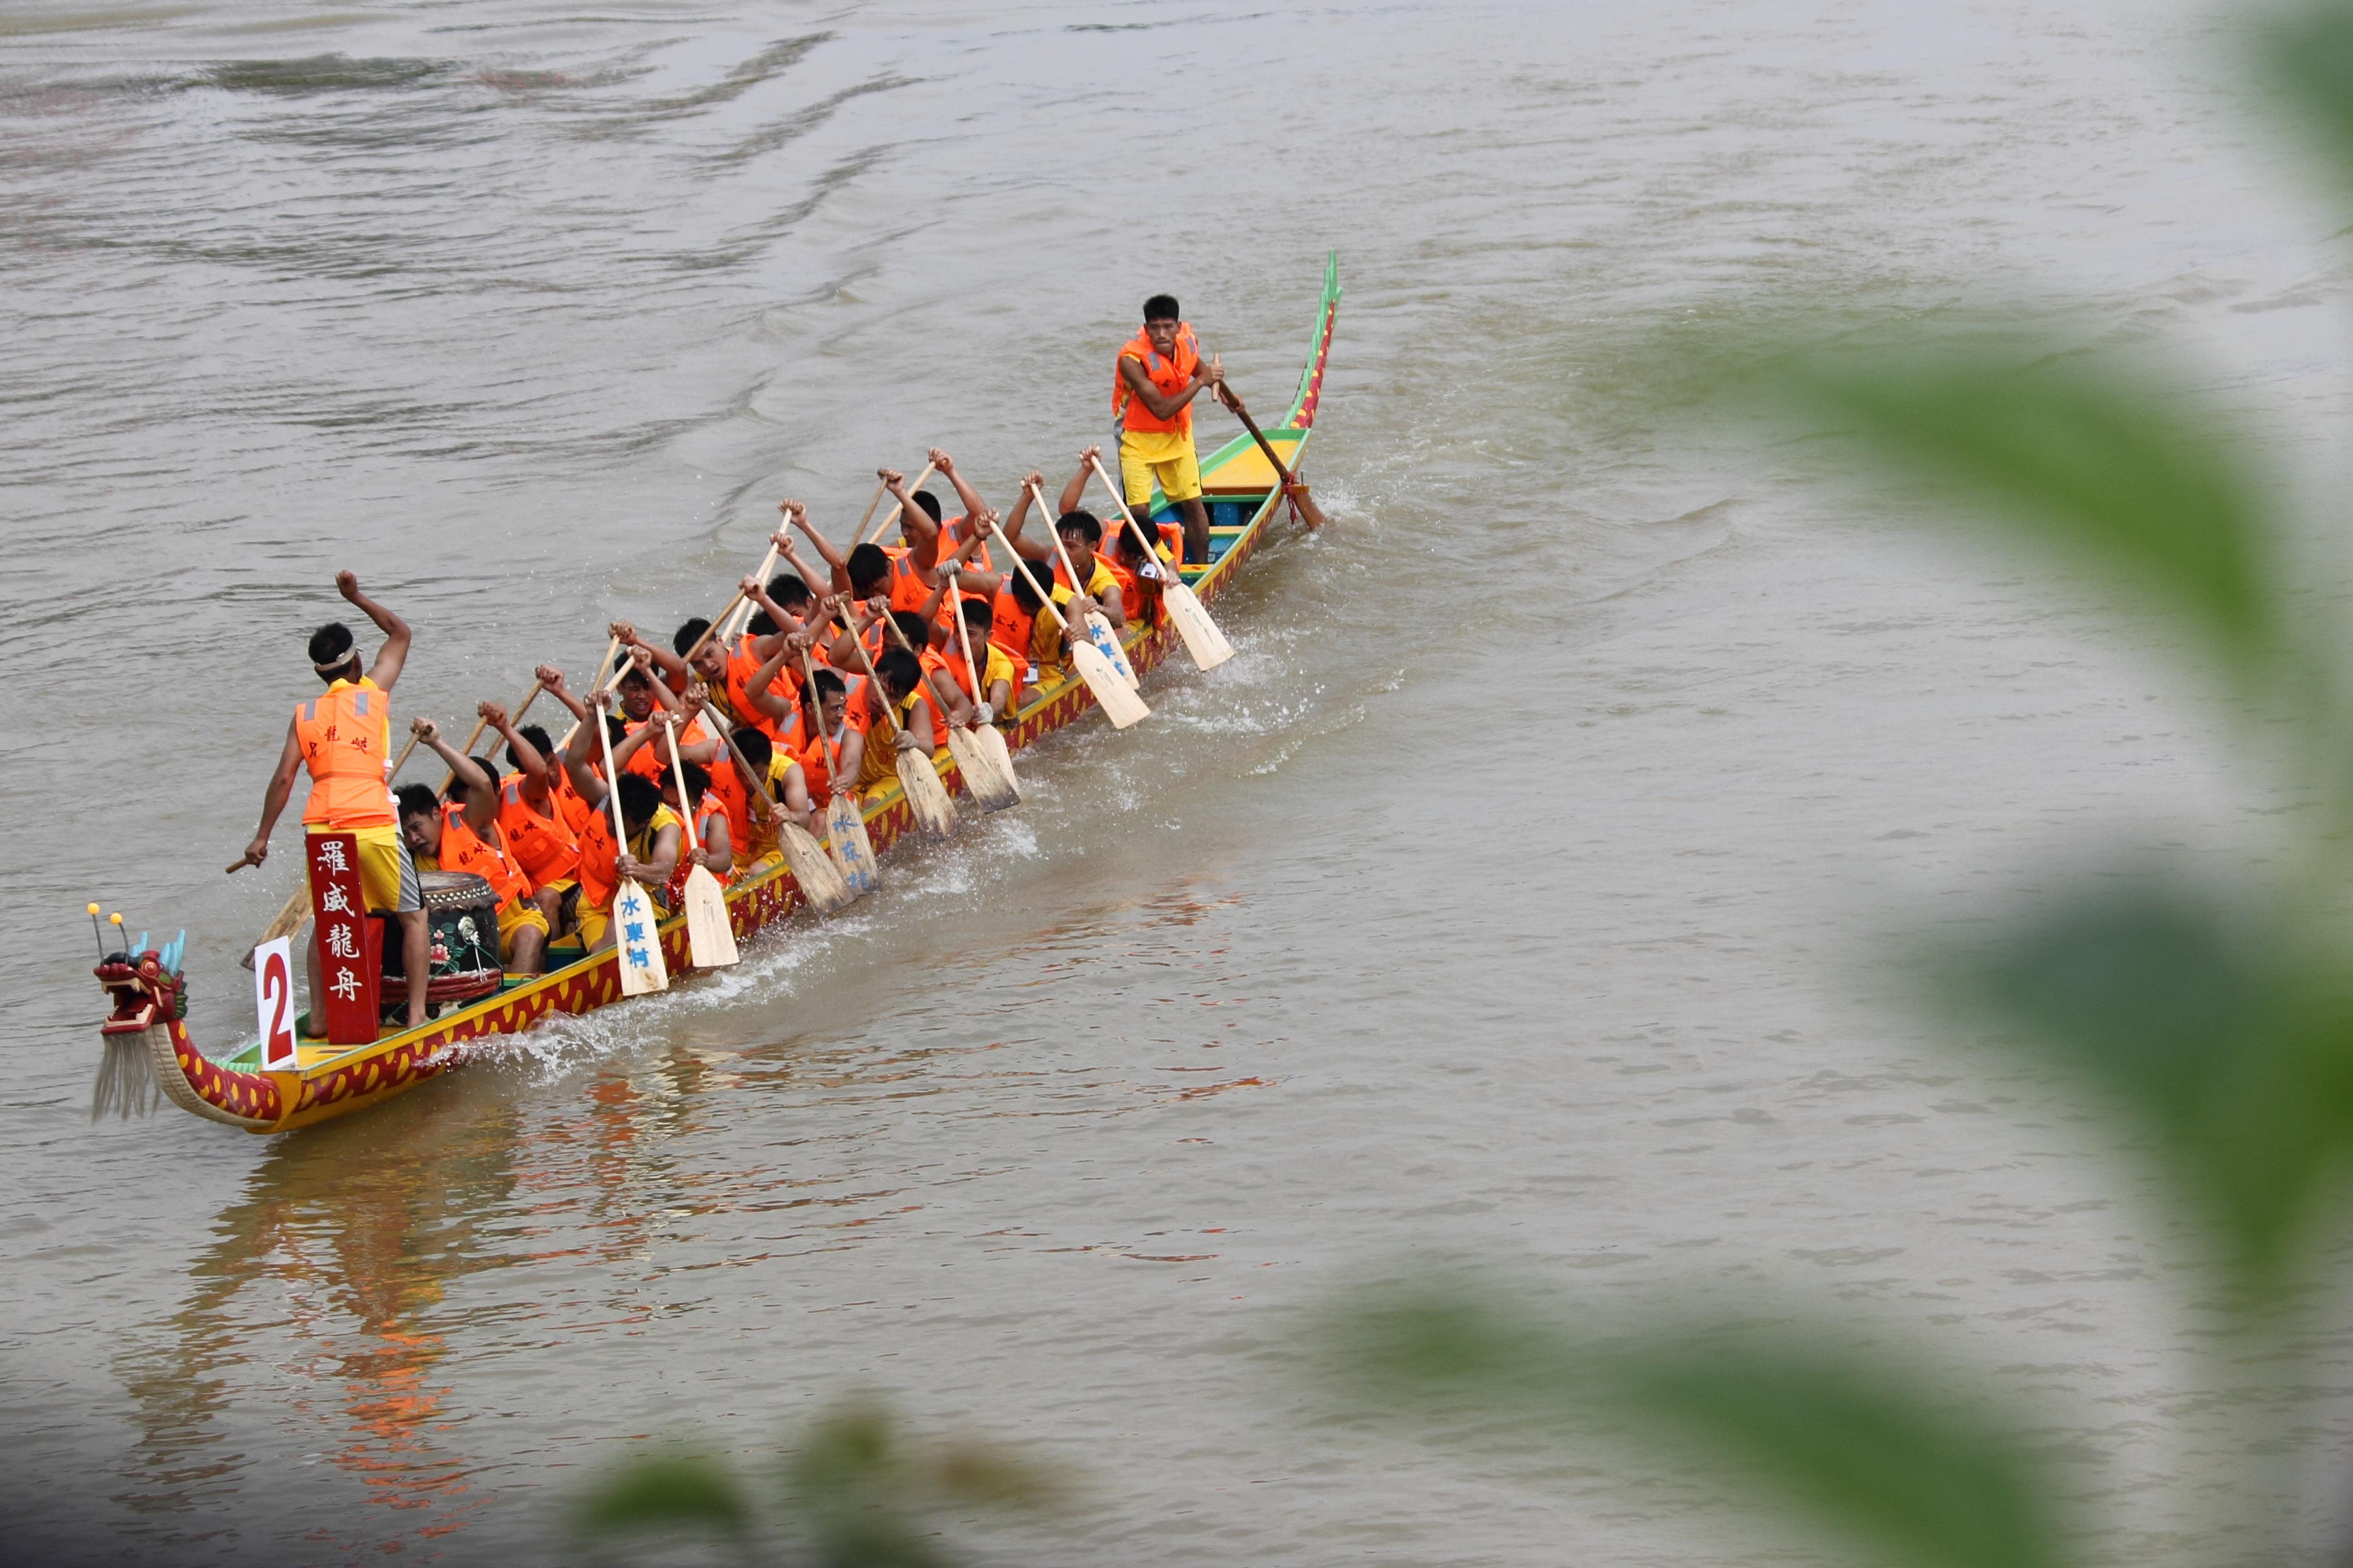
{"x": 986, "y": 738}
{"x": 1203, "y": 640}
{"x": 710, "y": 939}
{"x": 593, "y": 687}
{"x": 820, "y": 881}
{"x": 845, "y": 825}
{"x": 1098, "y": 626}
{"x": 892, "y": 515}
{"x": 927, "y": 798}
{"x": 642, "y": 967}
{"x": 995, "y": 791}
{"x": 1294, "y": 489}
{"x": 1111, "y": 693}
{"x": 880, "y": 489}
{"x": 286, "y": 922}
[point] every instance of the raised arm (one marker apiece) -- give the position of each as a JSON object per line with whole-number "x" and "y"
{"x": 394, "y": 651}
{"x": 526, "y": 755}
{"x": 1076, "y": 490}
{"x": 481, "y": 795}
{"x": 797, "y": 516}
{"x": 552, "y": 679}
{"x": 967, "y": 497}
{"x": 914, "y": 520}
{"x": 579, "y": 758}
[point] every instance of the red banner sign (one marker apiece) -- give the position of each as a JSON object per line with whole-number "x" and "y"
{"x": 346, "y": 973}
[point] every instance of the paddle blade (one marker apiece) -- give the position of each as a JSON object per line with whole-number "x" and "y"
{"x": 710, "y": 939}
{"x": 1309, "y": 513}
{"x": 1106, "y": 641}
{"x": 637, "y": 942}
{"x": 845, "y": 835}
{"x": 935, "y": 812}
{"x": 1203, "y": 640}
{"x": 981, "y": 778}
{"x": 820, "y": 880}
{"x": 992, "y": 741}
{"x": 1111, "y": 693}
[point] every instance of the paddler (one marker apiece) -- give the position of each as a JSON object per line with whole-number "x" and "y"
{"x": 460, "y": 833}
{"x": 904, "y": 688}
{"x": 538, "y": 833}
{"x": 654, "y": 840}
{"x": 343, "y": 739}
{"x": 1155, "y": 378}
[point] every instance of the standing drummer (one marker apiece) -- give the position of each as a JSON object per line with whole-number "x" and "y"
{"x": 1159, "y": 373}
{"x": 342, "y": 738}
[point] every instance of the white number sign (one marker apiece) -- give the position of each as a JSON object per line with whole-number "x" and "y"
{"x": 273, "y": 997}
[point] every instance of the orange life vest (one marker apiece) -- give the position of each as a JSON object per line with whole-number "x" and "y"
{"x": 931, "y": 660}
{"x": 600, "y": 869}
{"x": 814, "y": 775}
{"x": 545, "y": 848}
{"x": 1169, "y": 376}
{"x": 1009, "y": 626}
{"x": 736, "y": 699}
{"x": 908, "y": 589}
{"x": 463, "y": 849}
{"x": 651, "y": 759}
{"x": 345, "y": 733}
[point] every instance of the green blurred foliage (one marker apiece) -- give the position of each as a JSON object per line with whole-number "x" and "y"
{"x": 1853, "y": 1442}
{"x": 2210, "y": 1024}
{"x": 855, "y": 1492}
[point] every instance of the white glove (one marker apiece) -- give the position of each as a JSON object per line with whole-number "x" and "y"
{"x": 983, "y": 713}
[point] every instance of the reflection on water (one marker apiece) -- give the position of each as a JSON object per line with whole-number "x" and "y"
{"x": 330, "y": 1278}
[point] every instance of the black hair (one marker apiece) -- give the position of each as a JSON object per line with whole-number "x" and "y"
{"x": 930, "y": 503}
{"x": 540, "y": 742}
{"x": 684, "y": 637}
{"x": 1025, "y": 593}
{"x": 826, "y": 684}
{"x": 697, "y": 779}
{"x": 869, "y": 570}
{"x": 914, "y": 627}
{"x": 635, "y": 671}
{"x": 639, "y": 798}
{"x": 416, "y": 800}
{"x": 756, "y": 747}
{"x": 1162, "y": 308}
{"x": 977, "y": 611}
{"x": 787, "y": 589}
{"x": 898, "y": 668}
{"x": 1084, "y": 523}
{"x": 1130, "y": 545}
{"x": 332, "y": 643}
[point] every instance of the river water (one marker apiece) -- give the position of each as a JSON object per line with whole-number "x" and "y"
{"x": 1506, "y": 898}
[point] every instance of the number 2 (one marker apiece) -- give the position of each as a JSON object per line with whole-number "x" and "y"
{"x": 277, "y": 991}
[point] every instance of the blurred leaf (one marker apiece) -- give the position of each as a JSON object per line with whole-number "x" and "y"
{"x": 2102, "y": 470}
{"x": 861, "y": 1489}
{"x": 2309, "y": 54}
{"x": 1863, "y": 1447}
{"x": 678, "y": 1490}
{"x": 2233, "y": 1055}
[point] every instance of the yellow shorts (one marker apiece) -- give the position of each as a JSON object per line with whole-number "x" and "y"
{"x": 514, "y": 915}
{"x": 387, "y": 876}
{"x": 1167, "y": 456}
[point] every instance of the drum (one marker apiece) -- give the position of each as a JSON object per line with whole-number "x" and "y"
{"x": 461, "y": 924}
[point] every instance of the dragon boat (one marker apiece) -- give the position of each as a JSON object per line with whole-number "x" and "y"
{"x": 148, "y": 988}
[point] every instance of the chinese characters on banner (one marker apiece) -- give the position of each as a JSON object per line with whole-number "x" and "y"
{"x": 638, "y": 942}
{"x": 347, "y": 975}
